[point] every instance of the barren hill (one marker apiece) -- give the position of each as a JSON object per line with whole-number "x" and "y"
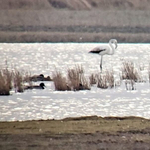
{"x": 24, "y": 4}
{"x": 74, "y": 4}
{"x": 74, "y": 20}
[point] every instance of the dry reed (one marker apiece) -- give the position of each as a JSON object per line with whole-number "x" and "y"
{"x": 106, "y": 80}
{"x": 129, "y": 72}
{"x": 5, "y": 81}
{"x": 74, "y": 81}
{"x": 77, "y": 79}
{"x": 93, "y": 78}
{"x": 60, "y": 82}
{"x": 18, "y": 81}
{"x": 130, "y": 85}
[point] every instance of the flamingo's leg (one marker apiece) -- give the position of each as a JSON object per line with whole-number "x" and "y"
{"x": 101, "y": 63}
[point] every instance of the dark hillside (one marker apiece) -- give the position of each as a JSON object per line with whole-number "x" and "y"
{"x": 75, "y": 4}
{"x": 24, "y": 4}
{"x": 74, "y": 20}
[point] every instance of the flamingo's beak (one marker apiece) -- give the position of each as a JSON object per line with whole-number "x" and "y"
{"x": 116, "y": 44}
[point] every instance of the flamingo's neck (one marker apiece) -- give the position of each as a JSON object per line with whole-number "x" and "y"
{"x": 113, "y": 47}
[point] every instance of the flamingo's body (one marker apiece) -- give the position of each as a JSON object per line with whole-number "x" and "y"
{"x": 105, "y": 50}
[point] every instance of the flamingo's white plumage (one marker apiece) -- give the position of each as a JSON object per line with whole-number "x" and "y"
{"x": 105, "y": 50}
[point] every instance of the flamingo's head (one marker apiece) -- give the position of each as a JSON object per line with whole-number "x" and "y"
{"x": 114, "y": 41}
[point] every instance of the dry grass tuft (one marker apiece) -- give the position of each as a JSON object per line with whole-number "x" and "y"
{"x": 77, "y": 80}
{"x": 129, "y": 72}
{"x": 106, "y": 80}
{"x": 5, "y": 81}
{"x": 18, "y": 81}
{"x": 93, "y": 78}
{"x": 130, "y": 85}
{"x": 60, "y": 82}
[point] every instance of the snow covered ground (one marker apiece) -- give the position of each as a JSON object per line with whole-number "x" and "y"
{"x": 45, "y": 58}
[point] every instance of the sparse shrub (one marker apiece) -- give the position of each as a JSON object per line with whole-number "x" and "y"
{"x": 93, "y": 78}
{"x": 102, "y": 82}
{"x": 77, "y": 80}
{"x": 110, "y": 78}
{"x": 106, "y": 80}
{"x": 129, "y": 72}
{"x": 60, "y": 82}
{"x": 5, "y": 81}
{"x": 130, "y": 85}
{"x": 18, "y": 81}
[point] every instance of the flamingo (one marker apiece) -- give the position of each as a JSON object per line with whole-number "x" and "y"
{"x": 105, "y": 50}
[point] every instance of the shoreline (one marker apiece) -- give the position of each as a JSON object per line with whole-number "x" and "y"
{"x": 90, "y": 117}
{"x": 91, "y": 132}
{"x": 61, "y": 37}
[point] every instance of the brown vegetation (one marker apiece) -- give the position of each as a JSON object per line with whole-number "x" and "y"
{"x": 5, "y": 81}
{"x": 131, "y": 75}
{"x": 129, "y": 72}
{"x": 12, "y": 79}
{"x": 60, "y": 82}
{"x": 106, "y": 80}
{"x": 18, "y": 81}
{"x": 93, "y": 78}
{"x": 75, "y": 80}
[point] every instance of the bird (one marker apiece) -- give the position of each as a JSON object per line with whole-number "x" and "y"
{"x": 40, "y": 78}
{"x": 105, "y": 50}
{"x": 40, "y": 86}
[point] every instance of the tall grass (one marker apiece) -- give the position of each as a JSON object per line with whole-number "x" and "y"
{"x": 129, "y": 72}
{"x": 11, "y": 79}
{"x": 130, "y": 85}
{"x": 131, "y": 75}
{"x": 106, "y": 80}
{"x": 5, "y": 81}
{"x": 18, "y": 81}
{"x": 93, "y": 78}
{"x": 75, "y": 80}
{"x": 60, "y": 82}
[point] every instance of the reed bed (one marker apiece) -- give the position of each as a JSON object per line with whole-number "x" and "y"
{"x": 106, "y": 80}
{"x": 11, "y": 79}
{"x": 93, "y": 78}
{"x": 18, "y": 81}
{"x": 60, "y": 82}
{"x": 77, "y": 79}
{"x": 74, "y": 81}
{"x": 129, "y": 72}
{"x": 5, "y": 81}
{"x": 131, "y": 75}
